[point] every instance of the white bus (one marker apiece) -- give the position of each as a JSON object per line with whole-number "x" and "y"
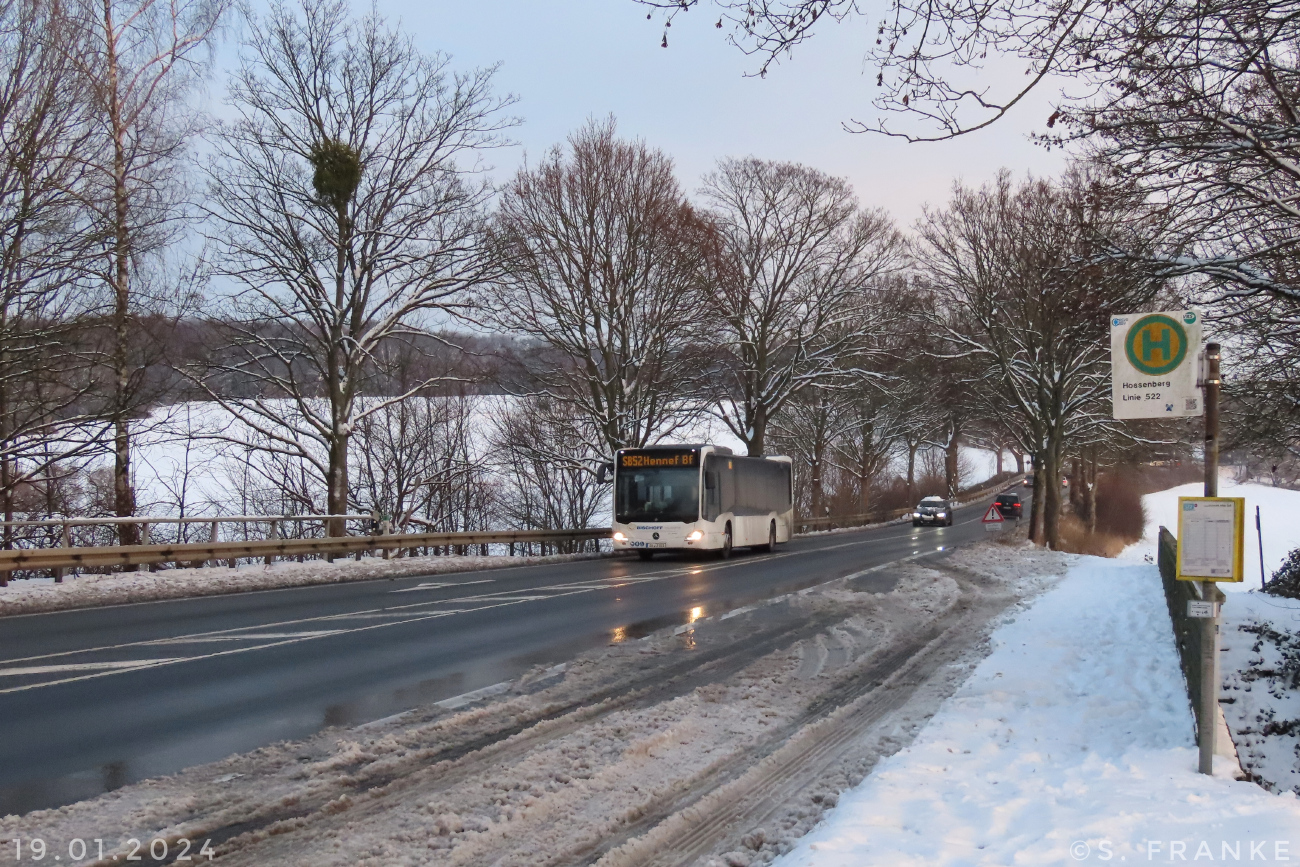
{"x": 699, "y": 498}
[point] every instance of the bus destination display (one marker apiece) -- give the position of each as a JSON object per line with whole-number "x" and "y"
{"x": 657, "y": 459}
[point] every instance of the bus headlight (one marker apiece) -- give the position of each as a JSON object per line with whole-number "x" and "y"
{"x": 619, "y": 537}
{"x": 695, "y": 536}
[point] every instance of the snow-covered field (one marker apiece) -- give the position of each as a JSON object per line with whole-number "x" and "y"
{"x": 1279, "y": 512}
{"x": 185, "y": 458}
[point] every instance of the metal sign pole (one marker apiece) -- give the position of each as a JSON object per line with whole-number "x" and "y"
{"x": 1259, "y": 533}
{"x": 1209, "y": 715}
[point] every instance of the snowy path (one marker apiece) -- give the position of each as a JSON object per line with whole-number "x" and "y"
{"x": 1070, "y": 743}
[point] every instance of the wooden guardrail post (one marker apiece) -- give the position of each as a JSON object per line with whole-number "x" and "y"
{"x": 273, "y": 533}
{"x": 65, "y": 541}
{"x": 144, "y": 540}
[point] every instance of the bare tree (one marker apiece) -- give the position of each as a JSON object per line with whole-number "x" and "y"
{"x": 541, "y": 449}
{"x": 799, "y": 261}
{"x": 424, "y": 460}
{"x": 350, "y": 204}
{"x": 139, "y": 61}
{"x": 1021, "y": 291}
{"x": 47, "y": 421}
{"x": 604, "y": 261}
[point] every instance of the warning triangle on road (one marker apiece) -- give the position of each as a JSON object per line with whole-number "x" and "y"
{"x": 992, "y": 516}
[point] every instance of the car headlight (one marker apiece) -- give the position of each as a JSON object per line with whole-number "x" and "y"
{"x": 619, "y": 537}
{"x": 695, "y": 536}
{"x": 941, "y": 514}
{"x": 916, "y": 514}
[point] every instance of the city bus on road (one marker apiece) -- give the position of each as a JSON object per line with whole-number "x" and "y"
{"x": 700, "y": 498}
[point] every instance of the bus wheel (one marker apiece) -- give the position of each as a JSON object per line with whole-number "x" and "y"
{"x": 645, "y": 555}
{"x": 726, "y": 543}
{"x": 771, "y": 538}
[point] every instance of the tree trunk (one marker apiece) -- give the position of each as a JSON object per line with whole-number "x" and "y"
{"x": 1076, "y": 486}
{"x": 758, "y": 432}
{"x": 337, "y": 493}
{"x": 999, "y": 466}
{"x": 911, "y": 472}
{"x": 123, "y": 490}
{"x": 1090, "y": 495}
{"x": 1052, "y": 498}
{"x": 815, "y": 482}
{"x": 339, "y": 387}
{"x": 864, "y": 470}
{"x": 1036, "y": 507}
{"x": 950, "y": 454}
{"x": 1020, "y": 461}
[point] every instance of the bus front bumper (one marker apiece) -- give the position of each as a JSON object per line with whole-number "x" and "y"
{"x": 641, "y": 537}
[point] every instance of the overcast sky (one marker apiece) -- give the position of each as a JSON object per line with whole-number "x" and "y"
{"x": 569, "y": 60}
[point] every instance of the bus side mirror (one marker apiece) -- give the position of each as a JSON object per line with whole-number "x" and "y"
{"x": 604, "y": 472}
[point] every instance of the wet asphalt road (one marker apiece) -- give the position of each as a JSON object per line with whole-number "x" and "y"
{"x": 94, "y": 699}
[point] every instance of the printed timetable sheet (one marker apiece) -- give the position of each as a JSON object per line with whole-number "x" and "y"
{"x": 1208, "y": 531}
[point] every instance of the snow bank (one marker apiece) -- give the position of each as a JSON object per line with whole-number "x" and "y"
{"x": 32, "y": 596}
{"x": 1279, "y": 516}
{"x": 1258, "y": 699}
{"x": 1257, "y": 630}
{"x": 1071, "y": 743}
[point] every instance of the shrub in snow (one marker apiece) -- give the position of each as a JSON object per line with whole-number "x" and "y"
{"x": 1286, "y": 580}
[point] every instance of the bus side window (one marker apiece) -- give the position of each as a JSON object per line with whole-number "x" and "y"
{"x": 712, "y": 498}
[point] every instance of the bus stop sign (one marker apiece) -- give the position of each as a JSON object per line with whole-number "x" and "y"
{"x": 1153, "y": 362}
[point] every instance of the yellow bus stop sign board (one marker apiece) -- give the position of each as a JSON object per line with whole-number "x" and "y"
{"x": 1153, "y": 359}
{"x": 1211, "y": 534}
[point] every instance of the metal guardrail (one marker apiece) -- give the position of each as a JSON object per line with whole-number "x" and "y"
{"x": 155, "y": 519}
{"x": 59, "y": 559}
{"x": 1187, "y": 631}
{"x": 198, "y": 553}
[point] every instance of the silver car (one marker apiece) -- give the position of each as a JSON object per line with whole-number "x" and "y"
{"x": 932, "y": 510}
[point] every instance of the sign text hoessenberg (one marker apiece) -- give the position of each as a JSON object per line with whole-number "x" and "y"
{"x": 1153, "y": 359}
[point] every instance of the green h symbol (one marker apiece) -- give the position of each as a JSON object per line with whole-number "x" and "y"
{"x": 1163, "y": 344}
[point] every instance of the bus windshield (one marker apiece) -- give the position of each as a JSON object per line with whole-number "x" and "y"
{"x": 657, "y": 494}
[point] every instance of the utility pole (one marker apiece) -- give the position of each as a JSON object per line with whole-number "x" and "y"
{"x": 1209, "y": 715}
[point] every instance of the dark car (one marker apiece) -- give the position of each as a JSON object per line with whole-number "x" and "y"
{"x": 1009, "y": 505}
{"x": 932, "y": 510}
{"x": 1028, "y": 482}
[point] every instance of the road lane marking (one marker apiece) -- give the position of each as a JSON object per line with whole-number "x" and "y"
{"x": 125, "y": 664}
{"x": 252, "y": 636}
{"x": 439, "y": 585}
{"x": 396, "y": 614}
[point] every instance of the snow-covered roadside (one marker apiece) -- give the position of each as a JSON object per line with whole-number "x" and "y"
{"x": 1260, "y": 632}
{"x": 85, "y": 591}
{"x": 1261, "y": 655}
{"x": 1071, "y": 743}
{"x": 570, "y": 758}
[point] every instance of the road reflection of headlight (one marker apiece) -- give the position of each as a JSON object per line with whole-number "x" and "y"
{"x": 695, "y": 536}
{"x": 619, "y": 537}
